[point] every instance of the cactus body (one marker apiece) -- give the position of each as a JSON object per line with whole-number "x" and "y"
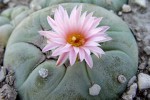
{"x": 24, "y": 55}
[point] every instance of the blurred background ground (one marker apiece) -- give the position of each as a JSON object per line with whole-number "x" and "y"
{"x": 136, "y": 16}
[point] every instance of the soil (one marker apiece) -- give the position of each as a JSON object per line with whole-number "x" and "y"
{"x": 139, "y": 22}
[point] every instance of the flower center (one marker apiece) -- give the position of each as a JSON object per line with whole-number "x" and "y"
{"x": 76, "y": 39}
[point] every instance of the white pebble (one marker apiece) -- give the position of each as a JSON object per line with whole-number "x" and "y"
{"x": 122, "y": 79}
{"x": 127, "y": 97}
{"x": 2, "y": 74}
{"x": 132, "y": 90}
{"x": 120, "y": 13}
{"x": 148, "y": 96}
{"x": 43, "y": 72}
{"x": 6, "y": 1}
{"x": 126, "y": 8}
{"x": 94, "y": 90}
{"x": 131, "y": 81}
{"x": 130, "y": 94}
{"x": 141, "y": 3}
{"x": 143, "y": 81}
{"x": 147, "y": 50}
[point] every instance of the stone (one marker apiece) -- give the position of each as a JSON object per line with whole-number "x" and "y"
{"x": 143, "y": 81}
{"x": 120, "y": 13}
{"x": 126, "y": 8}
{"x": 142, "y": 66}
{"x": 146, "y": 40}
{"x": 131, "y": 81}
{"x": 2, "y": 74}
{"x": 7, "y": 93}
{"x": 94, "y": 90}
{"x": 131, "y": 93}
{"x": 148, "y": 96}
{"x": 141, "y": 3}
{"x": 147, "y": 50}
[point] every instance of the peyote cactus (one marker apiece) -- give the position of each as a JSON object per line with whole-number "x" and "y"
{"x": 24, "y": 55}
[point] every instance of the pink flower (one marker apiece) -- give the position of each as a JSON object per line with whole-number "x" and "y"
{"x": 75, "y": 36}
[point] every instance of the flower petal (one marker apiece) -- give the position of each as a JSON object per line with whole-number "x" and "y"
{"x": 99, "y": 30}
{"x": 54, "y": 26}
{"x": 81, "y": 54}
{"x": 96, "y": 50}
{"x": 72, "y": 57}
{"x": 48, "y": 34}
{"x": 62, "y": 58}
{"x": 91, "y": 43}
{"x": 50, "y": 47}
{"x": 87, "y": 51}
{"x": 89, "y": 60}
{"x": 61, "y": 50}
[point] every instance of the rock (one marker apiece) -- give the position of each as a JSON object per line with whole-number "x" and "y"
{"x": 10, "y": 79}
{"x": 146, "y": 40}
{"x": 127, "y": 97}
{"x": 132, "y": 90}
{"x": 145, "y": 93}
{"x": 6, "y": 1}
{"x": 141, "y": 3}
{"x": 148, "y": 96}
{"x": 122, "y": 79}
{"x": 147, "y": 50}
{"x": 131, "y": 81}
{"x": 43, "y": 72}
{"x": 2, "y": 74}
{"x": 130, "y": 94}
{"x": 143, "y": 81}
{"x": 142, "y": 66}
{"x": 7, "y": 93}
{"x": 120, "y": 13}
{"x": 94, "y": 90}
{"x": 126, "y": 8}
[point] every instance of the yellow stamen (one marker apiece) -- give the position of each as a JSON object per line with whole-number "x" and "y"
{"x": 76, "y": 39}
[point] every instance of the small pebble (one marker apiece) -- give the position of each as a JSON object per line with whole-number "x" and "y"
{"x": 146, "y": 40}
{"x": 131, "y": 81}
{"x": 120, "y": 13}
{"x": 147, "y": 50}
{"x": 7, "y": 93}
{"x": 143, "y": 81}
{"x": 141, "y": 3}
{"x": 132, "y": 90}
{"x": 2, "y": 74}
{"x": 145, "y": 93}
{"x": 127, "y": 97}
{"x": 122, "y": 79}
{"x": 131, "y": 93}
{"x": 6, "y": 1}
{"x": 148, "y": 96}
{"x": 43, "y": 72}
{"x": 94, "y": 90}
{"x": 142, "y": 66}
{"x": 126, "y": 8}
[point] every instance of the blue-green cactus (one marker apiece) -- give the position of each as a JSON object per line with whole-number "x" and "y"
{"x": 24, "y": 55}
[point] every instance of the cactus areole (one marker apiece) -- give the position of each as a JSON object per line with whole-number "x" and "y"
{"x": 24, "y": 54}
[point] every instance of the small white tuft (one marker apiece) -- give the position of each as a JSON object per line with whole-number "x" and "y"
{"x": 43, "y": 72}
{"x": 94, "y": 90}
{"x": 122, "y": 79}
